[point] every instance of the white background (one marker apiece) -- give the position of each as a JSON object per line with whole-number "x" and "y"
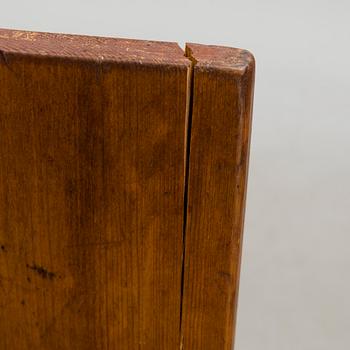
{"x": 295, "y": 282}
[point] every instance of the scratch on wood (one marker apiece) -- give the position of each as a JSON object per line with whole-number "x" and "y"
{"x": 42, "y": 271}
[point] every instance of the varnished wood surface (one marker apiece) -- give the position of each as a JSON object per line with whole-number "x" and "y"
{"x": 91, "y": 192}
{"x": 123, "y": 171}
{"x": 220, "y": 132}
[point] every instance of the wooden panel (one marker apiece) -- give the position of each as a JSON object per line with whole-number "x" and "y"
{"x": 91, "y": 192}
{"x": 220, "y": 133}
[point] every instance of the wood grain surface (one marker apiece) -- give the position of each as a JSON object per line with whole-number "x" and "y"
{"x": 218, "y": 161}
{"x": 123, "y": 171}
{"x": 91, "y": 192}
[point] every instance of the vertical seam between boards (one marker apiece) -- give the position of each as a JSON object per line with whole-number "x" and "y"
{"x": 187, "y": 153}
